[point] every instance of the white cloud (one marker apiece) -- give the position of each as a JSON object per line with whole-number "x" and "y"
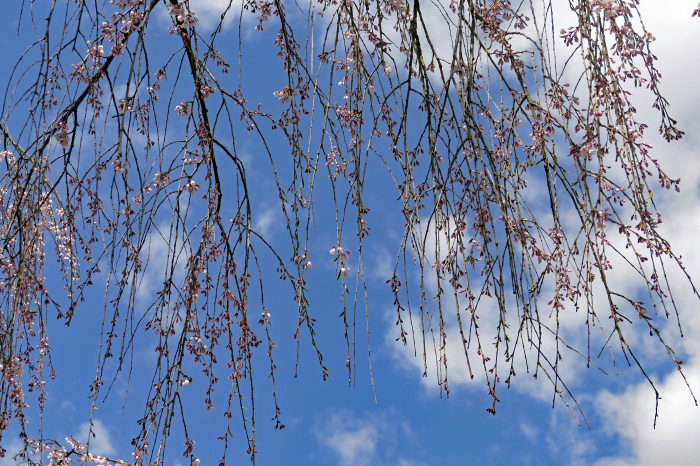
{"x": 564, "y": 444}
{"x": 405, "y": 462}
{"x": 353, "y": 440}
{"x": 100, "y": 441}
{"x": 265, "y": 221}
{"x": 381, "y": 264}
{"x": 629, "y": 414}
{"x": 13, "y": 447}
{"x": 159, "y": 258}
{"x": 67, "y": 405}
{"x": 367, "y": 440}
{"x": 571, "y": 368}
{"x": 209, "y": 12}
{"x": 530, "y": 432}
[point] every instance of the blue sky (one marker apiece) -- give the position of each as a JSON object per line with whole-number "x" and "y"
{"x": 410, "y": 424}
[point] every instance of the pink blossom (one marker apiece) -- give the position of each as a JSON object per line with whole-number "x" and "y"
{"x": 62, "y": 134}
{"x": 285, "y": 95}
{"x": 183, "y": 109}
{"x": 161, "y": 180}
{"x": 119, "y": 166}
{"x": 190, "y": 186}
{"x": 206, "y": 90}
{"x": 95, "y": 52}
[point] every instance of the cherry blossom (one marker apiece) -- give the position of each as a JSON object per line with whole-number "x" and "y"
{"x": 285, "y": 95}
{"x": 183, "y": 109}
{"x": 96, "y": 51}
{"x": 453, "y": 114}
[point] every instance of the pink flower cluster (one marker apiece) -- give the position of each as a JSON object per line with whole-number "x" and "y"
{"x": 183, "y": 109}
{"x": 119, "y": 166}
{"x": 95, "y": 51}
{"x": 61, "y": 134}
{"x": 190, "y": 186}
{"x": 161, "y": 180}
{"x": 285, "y": 95}
{"x": 342, "y": 258}
{"x": 206, "y": 91}
{"x": 59, "y": 456}
{"x": 184, "y": 18}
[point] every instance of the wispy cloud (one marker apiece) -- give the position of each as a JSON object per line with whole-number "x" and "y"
{"x": 564, "y": 443}
{"x": 353, "y": 440}
{"x": 369, "y": 439}
{"x": 13, "y": 447}
{"x": 530, "y": 432}
{"x": 100, "y": 440}
{"x": 209, "y": 12}
{"x": 266, "y": 221}
{"x": 405, "y": 462}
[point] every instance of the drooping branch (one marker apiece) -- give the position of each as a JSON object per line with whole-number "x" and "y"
{"x": 462, "y": 126}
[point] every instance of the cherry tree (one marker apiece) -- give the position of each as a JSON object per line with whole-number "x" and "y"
{"x": 112, "y": 138}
